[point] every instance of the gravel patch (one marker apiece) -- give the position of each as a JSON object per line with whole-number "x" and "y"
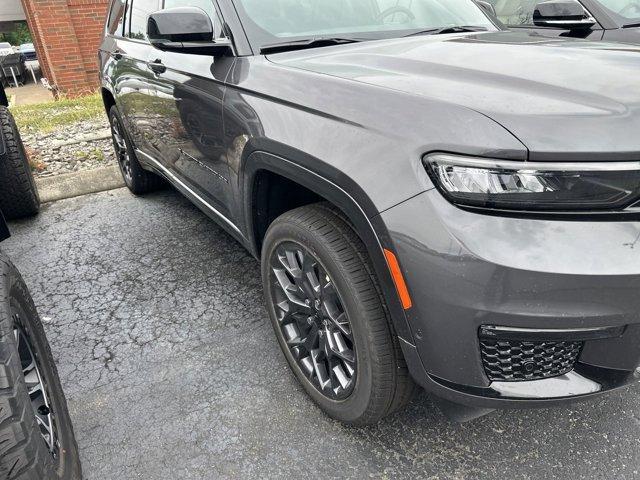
{"x": 80, "y": 146}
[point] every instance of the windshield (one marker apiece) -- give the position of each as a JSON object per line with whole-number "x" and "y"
{"x": 273, "y": 21}
{"x": 627, "y": 10}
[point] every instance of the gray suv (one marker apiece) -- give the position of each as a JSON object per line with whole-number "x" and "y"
{"x": 432, "y": 199}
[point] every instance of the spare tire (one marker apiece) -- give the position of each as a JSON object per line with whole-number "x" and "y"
{"x": 36, "y": 435}
{"x": 18, "y": 193}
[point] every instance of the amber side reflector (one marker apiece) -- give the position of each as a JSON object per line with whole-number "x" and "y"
{"x": 398, "y": 279}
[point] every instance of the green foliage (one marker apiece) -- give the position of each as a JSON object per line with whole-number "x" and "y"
{"x": 46, "y": 117}
{"x": 18, "y": 36}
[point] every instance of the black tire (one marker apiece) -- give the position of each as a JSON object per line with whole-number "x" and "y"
{"x": 24, "y": 453}
{"x": 137, "y": 179}
{"x": 18, "y": 193}
{"x": 382, "y": 381}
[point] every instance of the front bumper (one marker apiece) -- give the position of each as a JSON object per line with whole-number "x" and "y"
{"x": 466, "y": 270}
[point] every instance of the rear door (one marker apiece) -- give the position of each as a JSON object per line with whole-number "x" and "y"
{"x": 134, "y": 83}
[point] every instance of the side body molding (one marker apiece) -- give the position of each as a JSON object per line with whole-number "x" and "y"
{"x": 368, "y": 227}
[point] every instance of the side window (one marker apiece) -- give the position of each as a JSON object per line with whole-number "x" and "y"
{"x": 515, "y": 12}
{"x": 116, "y": 17}
{"x": 206, "y": 5}
{"x": 138, "y": 16}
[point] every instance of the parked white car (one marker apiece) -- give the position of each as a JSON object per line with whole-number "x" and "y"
{"x": 5, "y": 49}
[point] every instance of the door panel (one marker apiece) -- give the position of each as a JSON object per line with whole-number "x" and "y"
{"x": 189, "y": 136}
{"x": 134, "y": 85}
{"x": 627, "y": 35}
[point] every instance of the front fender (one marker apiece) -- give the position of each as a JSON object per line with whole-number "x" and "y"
{"x": 359, "y": 211}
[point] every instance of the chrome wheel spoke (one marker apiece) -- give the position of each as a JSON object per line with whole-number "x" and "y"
{"x": 37, "y": 389}
{"x": 122, "y": 152}
{"x": 312, "y": 320}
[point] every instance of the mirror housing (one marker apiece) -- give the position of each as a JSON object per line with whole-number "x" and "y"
{"x": 185, "y": 29}
{"x": 566, "y": 14}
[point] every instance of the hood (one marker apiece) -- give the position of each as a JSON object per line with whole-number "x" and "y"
{"x": 564, "y": 99}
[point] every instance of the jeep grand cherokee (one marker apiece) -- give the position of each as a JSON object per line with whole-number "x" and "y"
{"x": 433, "y": 199}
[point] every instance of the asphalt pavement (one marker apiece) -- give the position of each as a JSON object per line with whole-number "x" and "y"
{"x": 172, "y": 371}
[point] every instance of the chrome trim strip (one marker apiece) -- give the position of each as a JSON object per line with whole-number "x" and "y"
{"x": 567, "y": 385}
{"x": 173, "y": 178}
{"x": 546, "y": 330}
{"x": 479, "y": 162}
{"x": 499, "y": 332}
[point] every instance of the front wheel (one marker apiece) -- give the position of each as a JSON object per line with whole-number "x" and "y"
{"x": 330, "y": 318}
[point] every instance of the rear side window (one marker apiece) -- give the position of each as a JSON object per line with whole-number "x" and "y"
{"x": 116, "y": 17}
{"x": 138, "y": 16}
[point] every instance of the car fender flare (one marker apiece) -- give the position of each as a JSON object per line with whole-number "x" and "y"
{"x": 363, "y": 222}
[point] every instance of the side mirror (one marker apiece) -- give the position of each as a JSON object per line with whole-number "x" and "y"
{"x": 185, "y": 29}
{"x": 566, "y": 14}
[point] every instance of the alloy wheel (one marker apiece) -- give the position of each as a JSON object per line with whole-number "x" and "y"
{"x": 313, "y": 321}
{"x": 122, "y": 152}
{"x": 37, "y": 389}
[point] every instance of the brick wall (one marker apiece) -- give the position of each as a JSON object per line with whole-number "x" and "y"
{"x": 67, "y": 34}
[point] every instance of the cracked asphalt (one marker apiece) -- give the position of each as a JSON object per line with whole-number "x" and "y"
{"x": 172, "y": 371}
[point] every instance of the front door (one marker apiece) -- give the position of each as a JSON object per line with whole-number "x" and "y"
{"x": 190, "y": 93}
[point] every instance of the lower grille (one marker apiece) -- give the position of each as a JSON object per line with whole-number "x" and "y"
{"x": 517, "y": 360}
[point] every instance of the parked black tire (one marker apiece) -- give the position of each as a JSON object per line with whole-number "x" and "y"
{"x": 18, "y": 193}
{"x": 316, "y": 242}
{"x": 137, "y": 179}
{"x": 24, "y": 451}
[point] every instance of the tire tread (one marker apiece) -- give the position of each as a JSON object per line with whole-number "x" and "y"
{"x": 18, "y": 193}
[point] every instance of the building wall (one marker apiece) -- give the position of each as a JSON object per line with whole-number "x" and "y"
{"x": 67, "y": 35}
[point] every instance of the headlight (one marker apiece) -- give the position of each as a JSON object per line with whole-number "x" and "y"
{"x": 512, "y": 185}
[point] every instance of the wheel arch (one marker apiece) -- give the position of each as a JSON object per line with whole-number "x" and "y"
{"x": 360, "y": 213}
{"x": 108, "y": 98}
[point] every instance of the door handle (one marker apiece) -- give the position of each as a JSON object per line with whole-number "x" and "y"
{"x": 157, "y": 66}
{"x": 116, "y": 55}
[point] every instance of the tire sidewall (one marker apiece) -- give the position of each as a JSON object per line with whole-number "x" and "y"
{"x": 114, "y": 116}
{"x": 16, "y": 303}
{"x": 25, "y": 159}
{"x": 353, "y": 407}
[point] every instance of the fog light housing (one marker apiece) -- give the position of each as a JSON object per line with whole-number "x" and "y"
{"x": 535, "y": 186}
